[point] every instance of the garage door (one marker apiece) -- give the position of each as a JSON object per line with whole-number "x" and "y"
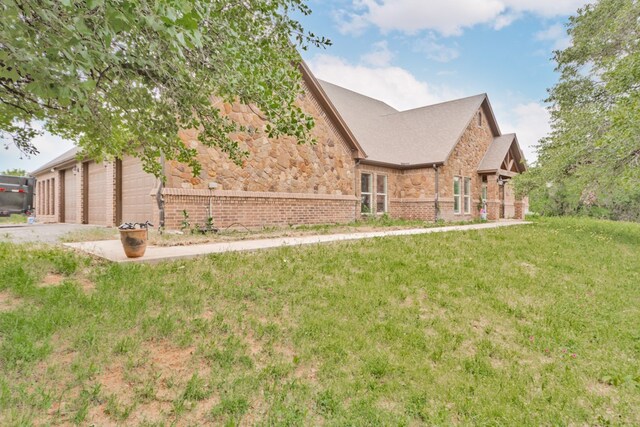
{"x": 137, "y": 204}
{"x": 97, "y": 194}
{"x": 70, "y": 196}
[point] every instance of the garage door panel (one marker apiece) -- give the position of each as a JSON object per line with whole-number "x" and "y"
{"x": 137, "y": 185}
{"x": 70, "y": 196}
{"x": 97, "y": 194}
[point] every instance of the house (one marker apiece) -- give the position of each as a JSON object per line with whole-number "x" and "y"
{"x": 444, "y": 161}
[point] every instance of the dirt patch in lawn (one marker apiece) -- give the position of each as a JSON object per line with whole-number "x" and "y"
{"x": 149, "y": 387}
{"x": 8, "y": 302}
{"x": 51, "y": 279}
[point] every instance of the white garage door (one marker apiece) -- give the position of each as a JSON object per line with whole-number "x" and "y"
{"x": 97, "y": 194}
{"x": 70, "y": 196}
{"x": 137, "y": 204}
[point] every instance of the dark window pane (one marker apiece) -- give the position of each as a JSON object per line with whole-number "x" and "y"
{"x": 381, "y": 184}
{"x": 365, "y": 180}
{"x": 365, "y": 206}
{"x": 381, "y": 203}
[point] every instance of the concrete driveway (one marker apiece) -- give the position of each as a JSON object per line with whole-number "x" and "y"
{"x": 46, "y": 233}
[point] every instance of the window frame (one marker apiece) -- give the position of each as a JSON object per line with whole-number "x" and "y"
{"x": 369, "y": 193}
{"x": 457, "y": 197}
{"x": 466, "y": 195}
{"x": 385, "y": 194}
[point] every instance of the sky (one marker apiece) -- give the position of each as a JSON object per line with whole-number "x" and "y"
{"x": 411, "y": 53}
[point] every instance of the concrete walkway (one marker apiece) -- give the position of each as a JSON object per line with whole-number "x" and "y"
{"x": 112, "y": 249}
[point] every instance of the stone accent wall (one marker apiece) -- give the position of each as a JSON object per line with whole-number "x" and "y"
{"x": 273, "y": 166}
{"x": 463, "y": 162}
{"x": 238, "y": 209}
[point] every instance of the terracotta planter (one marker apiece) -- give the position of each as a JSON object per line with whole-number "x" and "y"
{"x": 134, "y": 242}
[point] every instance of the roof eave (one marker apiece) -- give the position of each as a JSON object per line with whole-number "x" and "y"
{"x": 401, "y": 166}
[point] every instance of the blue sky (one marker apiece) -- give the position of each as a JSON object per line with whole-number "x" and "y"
{"x": 411, "y": 53}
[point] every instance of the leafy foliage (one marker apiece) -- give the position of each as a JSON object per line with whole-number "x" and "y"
{"x": 590, "y": 163}
{"x": 123, "y": 76}
{"x": 14, "y": 172}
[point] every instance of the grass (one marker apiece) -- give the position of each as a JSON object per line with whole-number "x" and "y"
{"x": 188, "y": 237}
{"x": 528, "y": 325}
{"x": 13, "y": 219}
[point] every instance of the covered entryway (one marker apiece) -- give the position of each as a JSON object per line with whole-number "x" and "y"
{"x": 97, "y": 194}
{"x": 137, "y": 185}
{"x": 70, "y": 196}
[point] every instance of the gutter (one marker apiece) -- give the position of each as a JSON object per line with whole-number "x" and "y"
{"x": 401, "y": 166}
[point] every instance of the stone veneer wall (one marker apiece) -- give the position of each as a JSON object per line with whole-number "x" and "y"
{"x": 237, "y": 209}
{"x": 463, "y": 162}
{"x": 315, "y": 178}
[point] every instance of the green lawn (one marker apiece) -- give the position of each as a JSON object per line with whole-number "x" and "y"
{"x": 13, "y": 219}
{"x": 528, "y": 325}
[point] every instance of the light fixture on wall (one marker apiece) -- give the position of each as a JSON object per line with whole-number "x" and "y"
{"x": 501, "y": 181}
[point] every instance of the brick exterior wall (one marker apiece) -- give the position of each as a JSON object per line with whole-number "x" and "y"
{"x": 283, "y": 183}
{"x": 424, "y": 209}
{"x": 48, "y": 197}
{"x": 239, "y": 209}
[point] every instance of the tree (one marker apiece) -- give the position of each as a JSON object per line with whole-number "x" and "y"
{"x": 14, "y": 172}
{"x": 123, "y": 76}
{"x": 591, "y": 160}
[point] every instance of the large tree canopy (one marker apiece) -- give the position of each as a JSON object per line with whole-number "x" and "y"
{"x": 123, "y": 76}
{"x": 591, "y": 160}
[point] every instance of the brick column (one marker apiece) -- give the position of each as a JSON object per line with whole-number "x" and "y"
{"x": 110, "y": 194}
{"x": 79, "y": 192}
{"x": 58, "y": 201}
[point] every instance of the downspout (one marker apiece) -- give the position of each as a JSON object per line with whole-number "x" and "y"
{"x": 436, "y": 201}
{"x": 159, "y": 197}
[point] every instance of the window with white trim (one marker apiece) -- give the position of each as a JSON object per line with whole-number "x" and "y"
{"x": 381, "y": 193}
{"x": 467, "y": 195}
{"x": 456, "y": 194}
{"x": 366, "y": 189}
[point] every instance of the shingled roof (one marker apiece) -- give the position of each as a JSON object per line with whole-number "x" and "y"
{"x": 497, "y": 152}
{"x": 425, "y": 135}
{"x": 65, "y": 157}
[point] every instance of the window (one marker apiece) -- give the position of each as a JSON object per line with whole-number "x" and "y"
{"x": 479, "y": 118}
{"x": 456, "y": 194}
{"x": 381, "y": 193}
{"x": 365, "y": 192}
{"x": 467, "y": 195}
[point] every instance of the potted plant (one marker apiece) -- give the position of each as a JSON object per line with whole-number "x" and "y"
{"x": 134, "y": 238}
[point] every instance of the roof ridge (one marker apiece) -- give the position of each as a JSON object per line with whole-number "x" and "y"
{"x": 480, "y": 95}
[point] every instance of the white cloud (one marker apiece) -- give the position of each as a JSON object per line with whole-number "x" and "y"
{"x": 393, "y": 85}
{"x": 380, "y": 56}
{"x": 436, "y": 51}
{"x": 530, "y": 121}
{"x": 446, "y": 17}
{"x": 556, "y": 34}
{"x": 505, "y": 20}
